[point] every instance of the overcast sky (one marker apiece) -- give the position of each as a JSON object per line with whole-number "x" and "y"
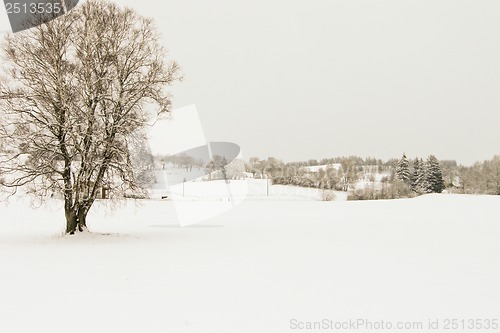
{"x": 324, "y": 78}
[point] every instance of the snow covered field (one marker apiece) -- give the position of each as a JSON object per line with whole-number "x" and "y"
{"x": 254, "y": 189}
{"x": 265, "y": 266}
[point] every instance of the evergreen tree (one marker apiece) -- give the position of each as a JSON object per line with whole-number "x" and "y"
{"x": 418, "y": 176}
{"x": 434, "y": 176}
{"x": 403, "y": 170}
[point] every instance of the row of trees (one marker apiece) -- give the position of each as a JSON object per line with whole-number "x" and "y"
{"x": 334, "y": 160}
{"x": 403, "y": 178}
{"x": 295, "y": 181}
{"x": 432, "y": 176}
{"x": 217, "y": 168}
{"x": 351, "y": 168}
{"x": 481, "y": 177}
{"x": 179, "y": 161}
{"x": 422, "y": 176}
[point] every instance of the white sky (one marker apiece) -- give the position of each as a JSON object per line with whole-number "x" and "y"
{"x": 323, "y": 78}
{"x": 182, "y": 131}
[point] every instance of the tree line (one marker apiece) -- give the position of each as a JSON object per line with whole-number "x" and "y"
{"x": 423, "y": 177}
{"x": 398, "y": 178}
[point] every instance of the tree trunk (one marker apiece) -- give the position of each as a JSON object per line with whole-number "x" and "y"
{"x": 76, "y": 221}
{"x": 71, "y": 222}
{"x": 82, "y": 220}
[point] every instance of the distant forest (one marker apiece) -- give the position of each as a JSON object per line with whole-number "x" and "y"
{"x": 395, "y": 178}
{"x": 362, "y": 178}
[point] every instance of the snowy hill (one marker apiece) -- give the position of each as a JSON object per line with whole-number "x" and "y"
{"x": 256, "y": 268}
{"x": 252, "y": 189}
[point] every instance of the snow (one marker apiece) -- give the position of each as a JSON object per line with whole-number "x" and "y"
{"x": 324, "y": 167}
{"x": 218, "y": 196}
{"x": 252, "y": 189}
{"x": 252, "y": 269}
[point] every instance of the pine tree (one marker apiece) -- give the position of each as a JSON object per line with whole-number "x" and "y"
{"x": 418, "y": 176}
{"x": 434, "y": 176}
{"x": 403, "y": 170}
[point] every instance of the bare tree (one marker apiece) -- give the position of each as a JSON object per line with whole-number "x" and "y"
{"x": 76, "y": 90}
